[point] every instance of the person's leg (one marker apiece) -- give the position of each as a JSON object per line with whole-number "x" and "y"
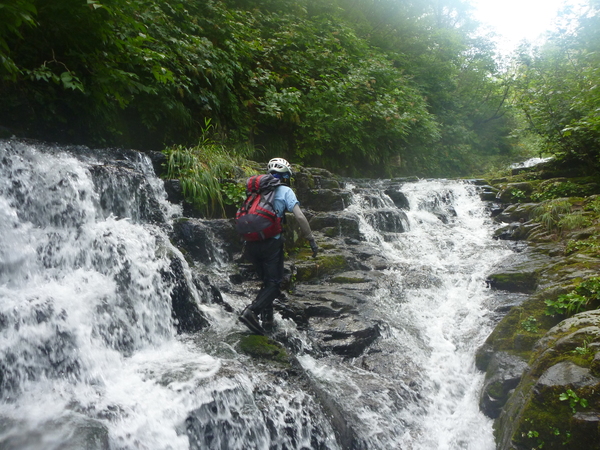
{"x": 253, "y": 253}
{"x": 272, "y": 271}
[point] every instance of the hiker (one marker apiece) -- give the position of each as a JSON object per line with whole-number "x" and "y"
{"x": 266, "y": 253}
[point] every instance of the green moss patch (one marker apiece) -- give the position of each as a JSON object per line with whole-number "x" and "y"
{"x": 514, "y": 281}
{"x": 262, "y": 347}
{"x": 348, "y": 280}
{"x": 322, "y": 265}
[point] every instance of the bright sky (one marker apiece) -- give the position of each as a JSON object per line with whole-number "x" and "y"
{"x": 516, "y": 20}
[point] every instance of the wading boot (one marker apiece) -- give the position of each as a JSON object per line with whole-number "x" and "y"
{"x": 249, "y": 319}
{"x": 266, "y": 317}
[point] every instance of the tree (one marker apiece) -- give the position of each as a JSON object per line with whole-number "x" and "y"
{"x": 557, "y": 88}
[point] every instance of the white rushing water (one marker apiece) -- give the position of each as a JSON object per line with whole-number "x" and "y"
{"x": 90, "y": 357}
{"x": 435, "y": 306}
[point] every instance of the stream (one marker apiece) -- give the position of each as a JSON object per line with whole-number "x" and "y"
{"x": 90, "y": 357}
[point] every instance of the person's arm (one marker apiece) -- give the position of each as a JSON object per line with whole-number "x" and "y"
{"x": 305, "y": 228}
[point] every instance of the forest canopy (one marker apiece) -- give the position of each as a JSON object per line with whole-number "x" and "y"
{"x": 361, "y": 87}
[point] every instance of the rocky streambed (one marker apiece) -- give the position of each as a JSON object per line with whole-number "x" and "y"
{"x": 375, "y": 338}
{"x": 329, "y": 300}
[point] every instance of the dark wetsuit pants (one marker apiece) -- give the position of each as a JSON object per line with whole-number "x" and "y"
{"x": 267, "y": 258}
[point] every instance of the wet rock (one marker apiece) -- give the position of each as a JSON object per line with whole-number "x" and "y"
{"x": 333, "y": 224}
{"x": 263, "y": 348}
{"x": 516, "y": 231}
{"x": 565, "y": 375}
{"x": 186, "y": 314}
{"x": 388, "y": 220}
{"x": 398, "y": 198}
{"x": 330, "y": 301}
{"x": 506, "y": 371}
{"x": 519, "y": 272}
{"x": 320, "y": 267}
{"x": 518, "y": 212}
{"x": 309, "y": 178}
{"x": 513, "y": 281}
{"x": 487, "y": 192}
{"x": 197, "y": 237}
{"x": 345, "y": 335}
{"x": 513, "y": 192}
{"x": 326, "y": 199}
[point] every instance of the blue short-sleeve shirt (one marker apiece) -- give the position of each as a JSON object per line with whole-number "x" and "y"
{"x": 284, "y": 200}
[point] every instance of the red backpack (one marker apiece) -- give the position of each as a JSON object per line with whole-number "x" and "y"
{"x": 256, "y": 219}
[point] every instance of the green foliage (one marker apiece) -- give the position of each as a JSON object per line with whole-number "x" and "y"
{"x": 13, "y": 15}
{"x": 584, "y": 296}
{"x": 556, "y": 88}
{"x": 574, "y": 400}
{"x": 530, "y": 324}
{"x": 585, "y": 349}
{"x": 593, "y": 204}
{"x": 205, "y": 173}
{"x": 550, "y": 213}
{"x": 591, "y": 245}
{"x": 518, "y": 195}
{"x": 368, "y": 88}
{"x": 560, "y": 189}
{"x": 233, "y": 193}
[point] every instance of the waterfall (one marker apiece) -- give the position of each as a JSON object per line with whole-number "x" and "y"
{"x": 91, "y": 357}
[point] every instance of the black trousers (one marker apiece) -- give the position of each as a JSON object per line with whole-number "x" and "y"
{"x": 267, "y": 258}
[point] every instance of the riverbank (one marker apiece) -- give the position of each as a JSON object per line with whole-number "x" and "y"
{"x": 541, "y": 361}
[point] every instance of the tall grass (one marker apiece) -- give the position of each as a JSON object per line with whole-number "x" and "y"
{"x": 557, "y": 216}
{"x": 203, "y": 169}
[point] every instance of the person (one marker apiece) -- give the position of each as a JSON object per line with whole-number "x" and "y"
{"x": 267, "y": 255}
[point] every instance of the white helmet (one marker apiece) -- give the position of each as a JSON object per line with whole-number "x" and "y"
{"x": 279, "y": 165}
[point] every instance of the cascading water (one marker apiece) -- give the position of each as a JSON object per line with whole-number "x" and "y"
{"x": 435, "y": 307}
{"x": 90, "y": 357}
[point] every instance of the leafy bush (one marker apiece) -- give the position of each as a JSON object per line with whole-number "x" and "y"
{"x": 591, "y": 245}
{"x": 205, "y": 172}
{"x": 585, "y": 296}
{"x": 530, "y": 324}
{"x": 368, "y": 87}
{"x": 560, "y": 189}
{"x": 556, "y": 88}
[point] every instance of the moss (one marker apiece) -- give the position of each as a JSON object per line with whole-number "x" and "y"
{"x": 322, "y": 265}
{"x": 514, "y": 281}
{"x": 349, "y": 280}
{"x": 326, "y": 246}
{"x": 262, "y": 347}
{"x": 510, "y": 335}
{"x": 496, "y": 389}
{"x": 330, "y": 231}
{"x": 544, "y": 423}
{"x": 549, "y": 419}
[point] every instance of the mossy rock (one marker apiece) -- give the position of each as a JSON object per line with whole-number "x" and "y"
{"x": 321, "y": 266}
{"x": 514, "y": 281}
{"x": 348, "y": 280}
{"x": 554, "y": 416}
{"x": 516, "y": 192}
{"x": 261, "y": 347}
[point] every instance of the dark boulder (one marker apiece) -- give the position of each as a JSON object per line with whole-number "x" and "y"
{"x": 398, "y": 198}
{"x": 186, "y": 314}
{"x": 333, "y": 224}
{"x": 326, "y": 199}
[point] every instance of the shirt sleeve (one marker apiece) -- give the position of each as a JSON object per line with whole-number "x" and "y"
{"x": 290, "y": 200}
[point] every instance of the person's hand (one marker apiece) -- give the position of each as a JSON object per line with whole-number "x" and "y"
{"x": 313, "y": 247}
